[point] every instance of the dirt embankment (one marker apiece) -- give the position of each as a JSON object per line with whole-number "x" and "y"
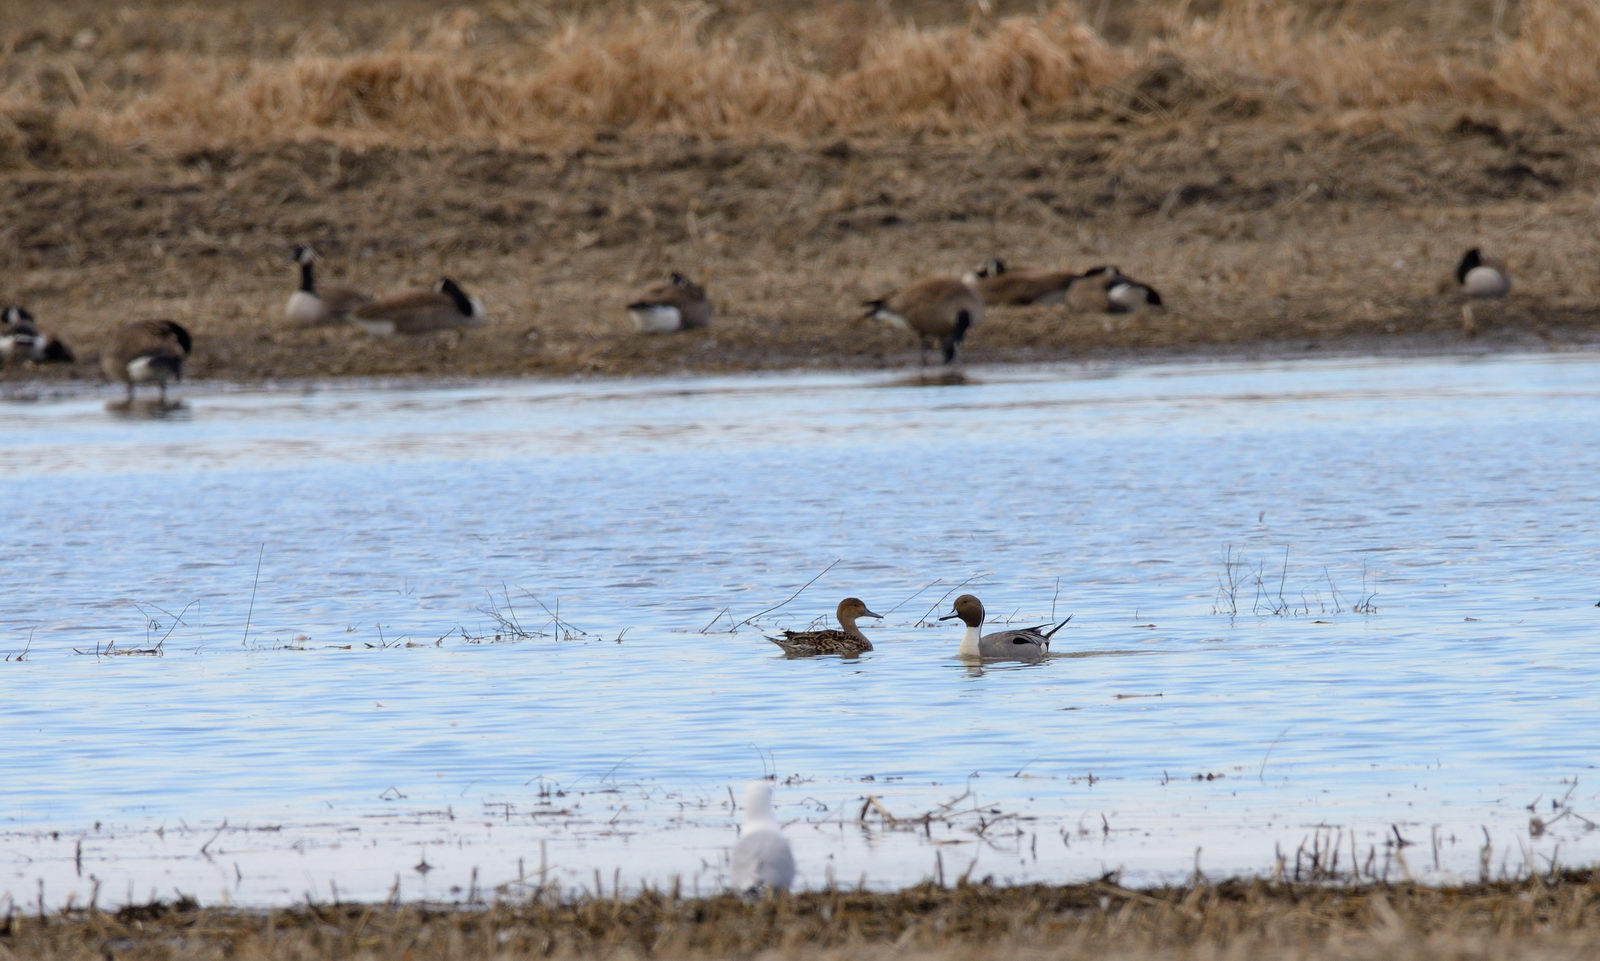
{"x": 1285, "y": 186}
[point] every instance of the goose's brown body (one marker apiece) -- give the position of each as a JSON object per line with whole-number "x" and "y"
{"x": 421, "y": 312}
{"x": 939, "y": 311}
{"x": 678, "y": 304}
{"x": 147, "y": 352}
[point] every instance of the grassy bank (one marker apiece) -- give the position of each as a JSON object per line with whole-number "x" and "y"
{"x": 404, "y": 73}
{"x": 1288, "y": 174}
{"x": 1549, "y": 918}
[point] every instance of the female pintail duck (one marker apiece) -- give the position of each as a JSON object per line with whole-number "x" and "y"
{"x": 446, "y": 307}
{"x": 147, "y": 351}
{"x": 1480, "y": 278}
{"x": 678, "y": 304}
{"x": 848, "y": 642}
{"x": 21, "y": 340}
{"x": 1027, "y": 643}
{"x": 310, "y": 306}
{"x": 940, "y": 311}
{"x": 762, "y": 860}
{"x": 1107, "y": 290}
{"x": 1007, "y": 286}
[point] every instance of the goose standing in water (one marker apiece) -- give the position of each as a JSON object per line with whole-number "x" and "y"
{"x": 1028, "y": 643}
{"x": 678, "y": 304}
{"x": 308, "y": 306}
{"x": 762, "y": 859}
{"x": 1480, "y": 278}
{"x": 939, "y": 311}
{"x": 145, "y": 352}
{"x": 848, "y": 642}
{"x": 22, "y": 340}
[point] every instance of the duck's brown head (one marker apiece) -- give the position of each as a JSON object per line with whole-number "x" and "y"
{"x": 969, "y": 609}
{"x": 853, "y": 607}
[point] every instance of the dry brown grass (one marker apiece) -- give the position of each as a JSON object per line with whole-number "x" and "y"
{"x": 184, "y": 76}
{"x": 1554, "y": 919}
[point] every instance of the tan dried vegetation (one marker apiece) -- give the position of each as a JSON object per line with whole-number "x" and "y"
{"x": 1289, "y": 172}
{"x": 1551, "y": 919}
{"x": 184, "y": 76}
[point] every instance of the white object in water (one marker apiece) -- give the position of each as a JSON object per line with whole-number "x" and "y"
{"x": 762, "y": 858}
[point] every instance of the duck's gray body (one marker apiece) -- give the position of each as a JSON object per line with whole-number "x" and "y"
{"x": 1027, "y": 642}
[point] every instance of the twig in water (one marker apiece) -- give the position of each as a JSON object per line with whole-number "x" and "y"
{"x": 1261, "y": 772}
{"x": 791, "y": 596}
{"x": 220, "y": 829}
{"x": 1283, "y": 575}
{"x": 253, "y": 584}
{"x": 176, "y": 619}
{"x": 555, "y": 616}
{"x": 919, "y": 591}
{"x": 712, "y": 621}
{"x": 1338, "y": 602}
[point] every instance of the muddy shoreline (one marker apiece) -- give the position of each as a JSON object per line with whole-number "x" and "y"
{"x": 1264, "y": 238}
{"x": 55, "y": 382}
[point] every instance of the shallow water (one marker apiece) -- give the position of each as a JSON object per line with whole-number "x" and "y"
{"x": 1357, "y": 593}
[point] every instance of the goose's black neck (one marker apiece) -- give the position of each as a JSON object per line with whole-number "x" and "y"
{"x": 307, "y": 284}
{"x": 458, "y": 296}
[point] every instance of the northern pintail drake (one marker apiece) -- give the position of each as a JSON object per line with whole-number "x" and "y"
{"x": 939, "y": 311}
{"x": 310, "y": 306}
{"x": 999, "y": 284}
{"x": 1108, "y": 290}
{"x": 678, "y": 304}
{"x": 147, "y": 352}
{"x": 21, "y": 340}
{"x": 1480, "y": 278}
{"x": 762, "y": 859}
{"x": 849, "y": 641}
{"x": 1028, "y": 643}
{"x": 446, "y": 307}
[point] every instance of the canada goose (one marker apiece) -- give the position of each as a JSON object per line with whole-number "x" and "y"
{"x": 849, "y": 641}
{"x": 22, "y": 340}
{"x": 446, "y": 307}
{"x": 1480, "y": 278}
{"x": 678, "y": 304}
{"x": 1027, "y": 643}
{"x": 940, "y": 310}
{"x": 1107, "y": 290}
{"x": 762, "y": 859}
{"x": 146, "y": 351}
{"x": 309, "y": 306}
{"x": 998, "y": 284}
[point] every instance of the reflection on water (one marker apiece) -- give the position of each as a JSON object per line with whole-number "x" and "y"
{"x": 1360, "y": 595}
{"x": 146, "y": 408}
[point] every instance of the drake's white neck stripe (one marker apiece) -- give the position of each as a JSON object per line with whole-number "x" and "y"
{"x": 969, "y": 641}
